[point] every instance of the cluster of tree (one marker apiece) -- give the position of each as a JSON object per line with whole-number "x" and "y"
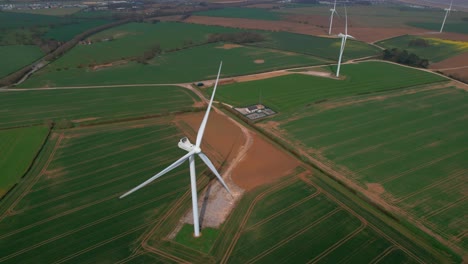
{"x": 149, "y": 54}
{"x": 419, "y": 42}
{"x": 404, "y": 57}
{"x": 237, "y": 37}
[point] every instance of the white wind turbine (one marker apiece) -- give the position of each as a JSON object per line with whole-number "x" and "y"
{"x": 333, "y": 11}
{"x": 446, "y": 14}
{"x": 344, "y": 37}
{"x": 185, "y": 144}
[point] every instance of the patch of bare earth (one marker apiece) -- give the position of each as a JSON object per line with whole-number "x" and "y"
{"x": 375, "y": 188}
{"x": 229, "y": 46}
{"x": 85, "y": 119}
{"x": 456, "y": 66}
{"x": 263, "y": 164}
{"x": 259, "y": 61}
{"x": 108, "y": 65}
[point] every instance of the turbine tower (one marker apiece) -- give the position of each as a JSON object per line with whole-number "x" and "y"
{"x": 185, "y": 144}
{"x": 344, "y": 37}
{"x": 446, "y": 14}
{"x": 333, "y": 11}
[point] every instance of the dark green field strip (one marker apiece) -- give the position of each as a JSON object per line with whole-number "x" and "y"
{"x": 31, "y": 107}
{"x": 63, "y": 221}
{"x": 281, "y": 96}
{"x": 327, "y": 48}
{"x": 460, "y": 27}
{"x": 395, "y": 256}
{"x": 18, "y": 147}
{"x": 15, "y": 57}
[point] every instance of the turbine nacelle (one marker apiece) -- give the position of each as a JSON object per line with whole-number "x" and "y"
{"x": 448, "y": 9}
{"x": 185, "y": 144}
{"x": 332, "y": 10}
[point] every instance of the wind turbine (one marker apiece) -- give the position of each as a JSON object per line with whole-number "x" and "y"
{"x": 333, "y": 11}
{"x": 446, "y": 14}
{"x": 344, "y": 37}
{"x": 185, "y": 144}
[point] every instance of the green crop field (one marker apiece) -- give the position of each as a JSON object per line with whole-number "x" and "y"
{"x": 302, "y": 219}
{"x": 298, "y": 91}
{"x": 16, "y": 57}
{"x": 91, "y": 105}
{"x": 133, "y": 39}
{"x": 18, "y": 147}
{"x": 18, "y": 20}
{"x": 408, "y": 147}
{"x": 67, "y": 208}
{"x": 68, "y": 31}
{"x": 321, "y": 47}
{"x": 188, "y": 65}
{"x": 238, "y": 12}
{"x": 437, "y": 49}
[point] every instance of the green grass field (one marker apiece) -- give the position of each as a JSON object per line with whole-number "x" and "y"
{"x": 68, "y": 31}
{"x": 17, "y": 20}
{"x": 410, "y": 148}
{"x": 91, "y": 105}
{"x": 297, "y": 92}
{"x": 67, "y": 208}
{"x": 133, "y": 39}
{"x": 18, "y": 149}
{"x": 16, "y": 57}
{"x": 437, "y": 50}
{"x": 239, "y": 12}
{"x": 320, "y": 47}
{"x": 188, "y": 65}
{"x": 300, "y": 220}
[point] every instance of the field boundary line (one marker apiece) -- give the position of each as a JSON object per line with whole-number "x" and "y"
{"x": 445, "y": 208}
{"x": 296, "y": 234}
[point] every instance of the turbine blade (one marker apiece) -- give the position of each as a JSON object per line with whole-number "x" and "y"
{"x": 174, "y": 165}
{"x": 334, "y": 5}
{"x": 336, "y": 12}
{"x": 205, "y": 118}
{"x": 346, "y": 18}
{"x": 213, "y": 169}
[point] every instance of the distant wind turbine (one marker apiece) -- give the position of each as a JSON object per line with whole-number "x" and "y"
{"x": 185, "y": 144}
{"x": 446, "y": 14}
{"x": 344, "y": 37}
{"x": 333, "y": 11}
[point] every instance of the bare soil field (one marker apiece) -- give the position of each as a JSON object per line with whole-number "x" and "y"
{"x": 264, "y": 163}
{"x": 317, "y": 26}
{"x": 453, "y": 62}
